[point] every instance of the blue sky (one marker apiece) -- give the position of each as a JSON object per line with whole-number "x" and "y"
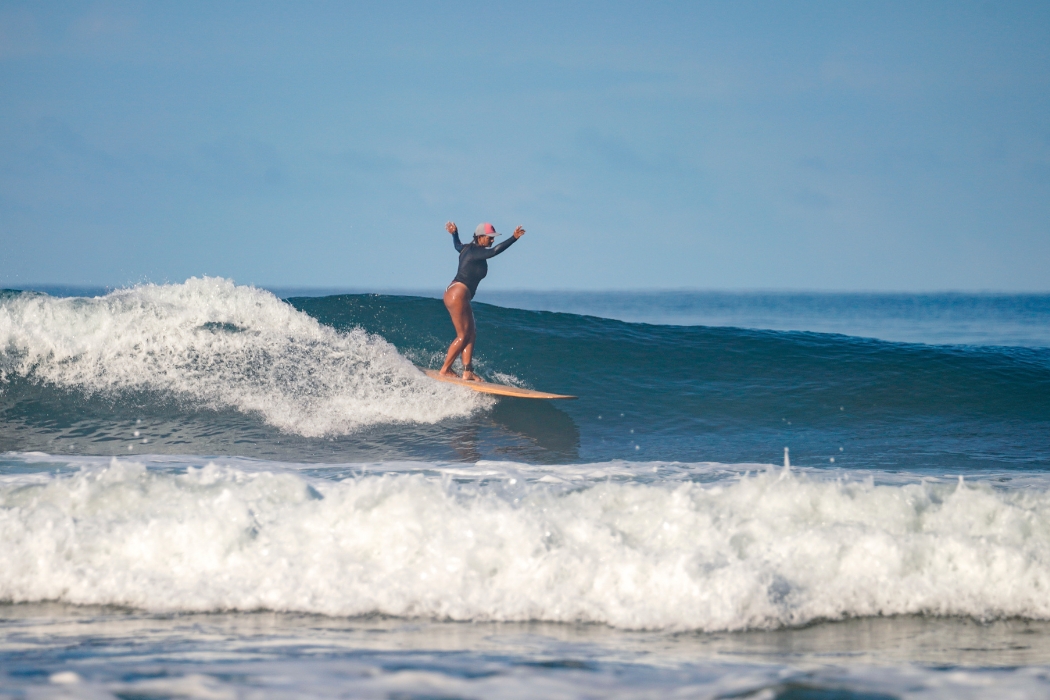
{"x": 833, "y": 145}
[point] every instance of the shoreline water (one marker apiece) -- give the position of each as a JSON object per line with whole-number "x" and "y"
{"x": 283, "y": 655}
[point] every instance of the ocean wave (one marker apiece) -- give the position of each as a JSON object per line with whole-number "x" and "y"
{"x": 216, "y": 345}
{"x": 764, "y": 549}
{"x": 208, "y": 367}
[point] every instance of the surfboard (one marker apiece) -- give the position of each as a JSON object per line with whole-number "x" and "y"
{"x": 497, "y": 389}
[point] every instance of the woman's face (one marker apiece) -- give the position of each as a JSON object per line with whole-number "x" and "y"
{"x": 485, "y": 241}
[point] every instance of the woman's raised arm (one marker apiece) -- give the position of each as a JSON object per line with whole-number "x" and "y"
{"x": 454, "y": 230}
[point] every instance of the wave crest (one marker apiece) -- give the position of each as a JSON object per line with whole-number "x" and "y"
{"x": 221, "y": 346}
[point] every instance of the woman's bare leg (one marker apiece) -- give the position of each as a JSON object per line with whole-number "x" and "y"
{"x": 468, "y": 348}
{"x": 457, "y": 301}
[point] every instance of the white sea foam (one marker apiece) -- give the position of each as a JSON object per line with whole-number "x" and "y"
{"x": 221, "y": 346}
{"x": 765, "y": 550}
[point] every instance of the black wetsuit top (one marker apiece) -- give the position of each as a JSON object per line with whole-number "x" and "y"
{"x": 472, "y": 257}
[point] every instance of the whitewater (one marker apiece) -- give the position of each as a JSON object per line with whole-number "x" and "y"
{"x": 752, "y": 550}
{"x": 206, "y": 486}
{"x": 212, "y": 344}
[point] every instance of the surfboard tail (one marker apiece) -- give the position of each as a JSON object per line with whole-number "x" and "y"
{"x": 495, "y": 389}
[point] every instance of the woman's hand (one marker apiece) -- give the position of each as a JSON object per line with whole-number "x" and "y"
{"x": 519, "y": 232}
{"x": 451, "y": 227}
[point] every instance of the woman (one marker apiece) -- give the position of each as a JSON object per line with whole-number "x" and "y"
{"x": 472, "y": 269}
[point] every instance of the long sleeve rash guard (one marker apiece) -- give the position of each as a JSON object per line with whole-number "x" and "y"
{"x": 472, "y": 257}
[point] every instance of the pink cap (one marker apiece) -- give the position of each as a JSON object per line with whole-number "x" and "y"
{"x": 485, "y": 229}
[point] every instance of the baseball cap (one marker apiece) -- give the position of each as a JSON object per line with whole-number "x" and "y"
{"x": 485, "y": 229}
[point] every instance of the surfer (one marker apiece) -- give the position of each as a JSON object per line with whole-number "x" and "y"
{"x": 472, "y": 269}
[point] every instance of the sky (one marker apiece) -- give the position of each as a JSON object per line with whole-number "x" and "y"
{"x": 645, "y": 145}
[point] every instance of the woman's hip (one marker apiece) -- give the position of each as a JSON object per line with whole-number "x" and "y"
{"x": 457, "y": 294}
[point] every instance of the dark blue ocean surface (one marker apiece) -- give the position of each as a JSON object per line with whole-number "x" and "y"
{"x": 931, "y": 318}
{"x": 733, "y": 395}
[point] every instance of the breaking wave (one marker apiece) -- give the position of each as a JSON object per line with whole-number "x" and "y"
{"x": 492, "y": 542}
{"x": 215, "y": 345}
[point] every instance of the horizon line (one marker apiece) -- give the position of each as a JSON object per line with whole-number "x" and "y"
{"x": 331, "y": 290}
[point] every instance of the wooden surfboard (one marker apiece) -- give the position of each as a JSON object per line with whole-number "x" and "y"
{"x": 497, "y": 389}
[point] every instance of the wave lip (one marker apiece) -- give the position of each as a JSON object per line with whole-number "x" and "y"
{"x": 770, "y": 550}
{"x": 220, "y": 346}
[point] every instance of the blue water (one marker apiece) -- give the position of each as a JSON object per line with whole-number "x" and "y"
{"x": 208, "y": 491}
{"x": 934, "y": 319}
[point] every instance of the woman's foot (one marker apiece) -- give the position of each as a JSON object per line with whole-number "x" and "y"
{"x": 471, "y": 377}
{"x": 447, "y": 372}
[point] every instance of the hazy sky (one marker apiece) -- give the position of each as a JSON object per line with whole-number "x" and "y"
{"x": 731, "y": 145}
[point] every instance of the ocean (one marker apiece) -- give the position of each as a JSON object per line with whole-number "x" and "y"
{"x": 216, "y": 491}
